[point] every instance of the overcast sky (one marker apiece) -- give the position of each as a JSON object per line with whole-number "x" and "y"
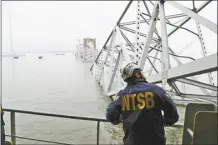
{"x": 55, "y": 25}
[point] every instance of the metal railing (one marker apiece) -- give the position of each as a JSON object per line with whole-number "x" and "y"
{"x": 13, "y": 124}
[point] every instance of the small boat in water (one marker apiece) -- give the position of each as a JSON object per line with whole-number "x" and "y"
{"x": 60, "y": 53}
{"x": 40, "y": 57}
{"x": 16, "y": 57}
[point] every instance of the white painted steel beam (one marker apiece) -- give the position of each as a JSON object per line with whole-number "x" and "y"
{"x": 118, "y": 22}
{"x": 174, "y": 86}
{"x": 203, "y": 47}
{"x": 197, "y": 96}
{"x": 197, "y": 83}
{"x": 123, "y": 48}
{"x": 164, "y": 40}
{"x": 197, "y": 67}
{"x": 112, "y": 50}
{"x": 183, "y": 70}
{"x": 141, "y": 34}
{"x": 137, "y": 32}
{"x": 193, "y": 77}
{"x": 114, "y": 72}
{"x": 210, "y": 25}
{"x": 154, "y": 61}
{"x": 187, "y": 19}
{"x": 107, "y": 55}
{"x": 132, "y": 44}
{"x": 149, "y": 35}
{"x": 148, "y": 20}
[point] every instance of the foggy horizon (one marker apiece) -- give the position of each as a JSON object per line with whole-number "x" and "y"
{"x": 55, "y": 26}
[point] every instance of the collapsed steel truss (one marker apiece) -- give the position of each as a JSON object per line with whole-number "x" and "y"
{"x": 106, "y": 66}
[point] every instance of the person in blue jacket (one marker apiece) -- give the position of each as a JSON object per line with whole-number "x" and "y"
{"x": 139, "y": 107}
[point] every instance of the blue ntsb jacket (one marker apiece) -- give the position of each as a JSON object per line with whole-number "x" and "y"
{"x": 140, "y": 105}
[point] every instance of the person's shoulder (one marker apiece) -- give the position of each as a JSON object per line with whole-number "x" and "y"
{"x": 152, "y": 85}
{"x": 156, "y": 87}
{"x": 123, "y": 92}
{"x": 118, "y": 95}
{"x": 120, "y": 92}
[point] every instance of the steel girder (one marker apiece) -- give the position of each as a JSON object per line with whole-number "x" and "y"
{"x": 210, "y": 25}
{"x": 197, "y": 67}
{"x": 150, "y": 34}
{"x": 203, "y": 65}
{"x": 197, "y": 83}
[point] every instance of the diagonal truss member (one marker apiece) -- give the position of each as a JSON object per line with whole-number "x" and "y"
{"x": 169, "y": 75}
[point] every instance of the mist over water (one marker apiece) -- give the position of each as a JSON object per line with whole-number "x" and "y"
{"x": 55, "y": 84}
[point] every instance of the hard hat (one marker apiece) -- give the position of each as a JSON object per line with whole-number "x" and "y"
{"x": 127, "y": 69}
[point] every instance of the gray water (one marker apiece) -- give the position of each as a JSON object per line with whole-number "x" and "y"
{"x": 56, "y": 84}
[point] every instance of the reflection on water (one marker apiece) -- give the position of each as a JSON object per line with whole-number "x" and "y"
{"x": 55, "y": 84}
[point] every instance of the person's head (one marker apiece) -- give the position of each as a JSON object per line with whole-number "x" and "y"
{"x": 130, "y": 71}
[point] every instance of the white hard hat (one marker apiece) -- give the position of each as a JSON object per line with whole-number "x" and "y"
{"x": 127, "y": 69}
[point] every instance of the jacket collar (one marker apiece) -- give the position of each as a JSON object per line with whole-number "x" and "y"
{"x": 137, "y": 81}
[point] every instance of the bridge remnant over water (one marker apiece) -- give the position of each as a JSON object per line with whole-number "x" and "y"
{"x": 149, "y": 41}
{"x": 86, "y": 50}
